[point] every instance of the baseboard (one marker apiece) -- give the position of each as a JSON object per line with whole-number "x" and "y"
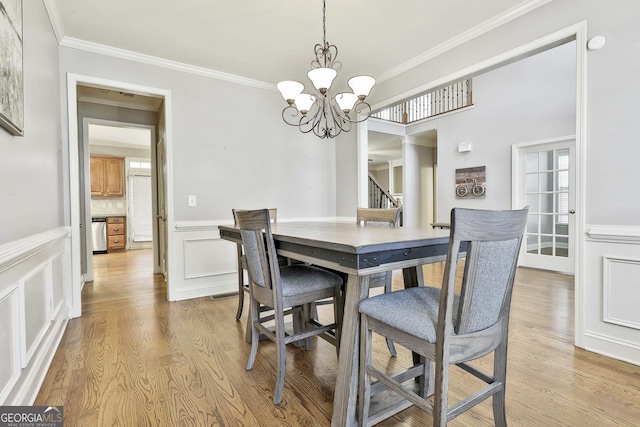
{"x": 615, "y": 348}
{"x": 205, "y": 290}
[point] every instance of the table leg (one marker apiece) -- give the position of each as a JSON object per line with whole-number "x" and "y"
{"x": 344, "y": 399}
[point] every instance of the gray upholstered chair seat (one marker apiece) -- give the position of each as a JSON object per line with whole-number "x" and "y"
{"x": 302, "y": 279}
{"x": 414, "y": 310}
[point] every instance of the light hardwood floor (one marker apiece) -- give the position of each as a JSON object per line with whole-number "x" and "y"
{"x": 133, "y": 359}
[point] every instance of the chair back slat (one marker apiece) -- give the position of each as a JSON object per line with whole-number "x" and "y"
{"x": 494, "y": 239}
{"x": 390, "y": 217}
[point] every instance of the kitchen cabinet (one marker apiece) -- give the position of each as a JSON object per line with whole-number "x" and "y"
{"x": 116, "y": 233}
{"x": 107, "y": 176}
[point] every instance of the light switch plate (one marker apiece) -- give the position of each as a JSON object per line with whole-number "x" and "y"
{"x": 192, "y": 200}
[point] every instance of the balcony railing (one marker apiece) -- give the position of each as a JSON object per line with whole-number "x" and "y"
{"x": 430, "y": 104}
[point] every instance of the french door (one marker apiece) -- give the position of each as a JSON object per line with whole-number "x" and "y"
{"x": 544, "y": 179}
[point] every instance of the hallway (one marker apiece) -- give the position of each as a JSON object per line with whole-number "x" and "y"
{"x": 123, "y": 280}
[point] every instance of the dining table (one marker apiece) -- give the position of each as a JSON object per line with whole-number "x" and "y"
{"x": 358, "y": 251}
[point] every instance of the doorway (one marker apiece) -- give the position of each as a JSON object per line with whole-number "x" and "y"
{"x": 80, "y": 90}
{"x": 130, "y": 143}
{"x": 405, "y": 165}
{"x": 544, "y": 180}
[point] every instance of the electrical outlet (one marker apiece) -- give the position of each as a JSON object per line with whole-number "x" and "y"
{"x": 192, "y": 200}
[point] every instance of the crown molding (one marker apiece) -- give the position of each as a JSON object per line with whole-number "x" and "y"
{"x": 462, "y": 38}
{"x": 164, "y": 63}
{"x": 54, "y": 18}
{"x": 63, "y": 40}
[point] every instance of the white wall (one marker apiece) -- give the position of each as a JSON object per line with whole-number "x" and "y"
{"x": 427, "y": 159}
{"x": 529, "y": 100}
{"x": 346, "y": 167}
{"x": 34, "y": 244}
{"x": 31, "y": 166}
{"x": 381, "y": 173}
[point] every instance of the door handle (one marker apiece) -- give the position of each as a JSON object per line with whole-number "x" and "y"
{"x": 572, "y": 211}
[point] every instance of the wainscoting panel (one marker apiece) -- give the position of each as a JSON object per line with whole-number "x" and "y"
{"x": 57, "y": 286}
{"x": 36, "y": 299}
{"x": 620, "y": 280}
{"x": 33, "y": 311}
{"x": 208, "y": 264}
{"x": 10, "y": 356}
{"x": 207, "y": 257}
{"x": 611, "y": 291}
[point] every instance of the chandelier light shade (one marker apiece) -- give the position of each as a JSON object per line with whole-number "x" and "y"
{"x": 325, "y": 114}
{"x": 290, "y": 90}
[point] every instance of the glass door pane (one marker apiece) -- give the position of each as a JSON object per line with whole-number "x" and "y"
{"x": 547, "y": 194}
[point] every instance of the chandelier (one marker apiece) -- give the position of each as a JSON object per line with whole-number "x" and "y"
{"x": 326, "y": 115}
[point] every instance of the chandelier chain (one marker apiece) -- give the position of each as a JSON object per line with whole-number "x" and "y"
{"x": 324, "y": 23}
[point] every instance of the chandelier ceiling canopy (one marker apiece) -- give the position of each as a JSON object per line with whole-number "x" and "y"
{"x": 322, "y": 113}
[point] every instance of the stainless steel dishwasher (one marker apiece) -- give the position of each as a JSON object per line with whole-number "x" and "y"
{"x": 99, "y": 235}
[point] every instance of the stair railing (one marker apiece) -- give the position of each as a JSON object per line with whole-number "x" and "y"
{"x": 380, "y": 198}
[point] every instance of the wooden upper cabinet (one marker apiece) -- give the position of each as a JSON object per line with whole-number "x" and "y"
{"x": 107, "y": 176}
{"x": 97, "y": 176}
{"x": 114, "y": 174}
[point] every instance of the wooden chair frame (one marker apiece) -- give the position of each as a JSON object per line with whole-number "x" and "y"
{"x": 242, "y": 267}
{"x": 265, "y": 289}
{"x": 455, "y": 342}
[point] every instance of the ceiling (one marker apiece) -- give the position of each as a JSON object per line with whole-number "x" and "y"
{"x": 265, "y": 42}
{"x": 116, "y": 136}
{"x": 270, "y": 41}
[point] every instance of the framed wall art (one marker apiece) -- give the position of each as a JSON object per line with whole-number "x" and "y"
{"x": 11, "y": 77}
{"x": 471, "y": 183}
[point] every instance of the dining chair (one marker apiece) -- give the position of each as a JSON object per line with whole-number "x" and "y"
{"x": 443, "y": 328}
{"x": 288, "y": 290}
{"x": 242, "y": 265}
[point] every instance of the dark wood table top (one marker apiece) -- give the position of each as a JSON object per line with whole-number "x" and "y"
{"x": 352, "y": 238}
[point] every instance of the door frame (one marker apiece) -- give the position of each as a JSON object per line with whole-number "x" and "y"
{"x": 73, "y": 80}
{"x": 577, "y": 32}
{"x": 518, "y": 198}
